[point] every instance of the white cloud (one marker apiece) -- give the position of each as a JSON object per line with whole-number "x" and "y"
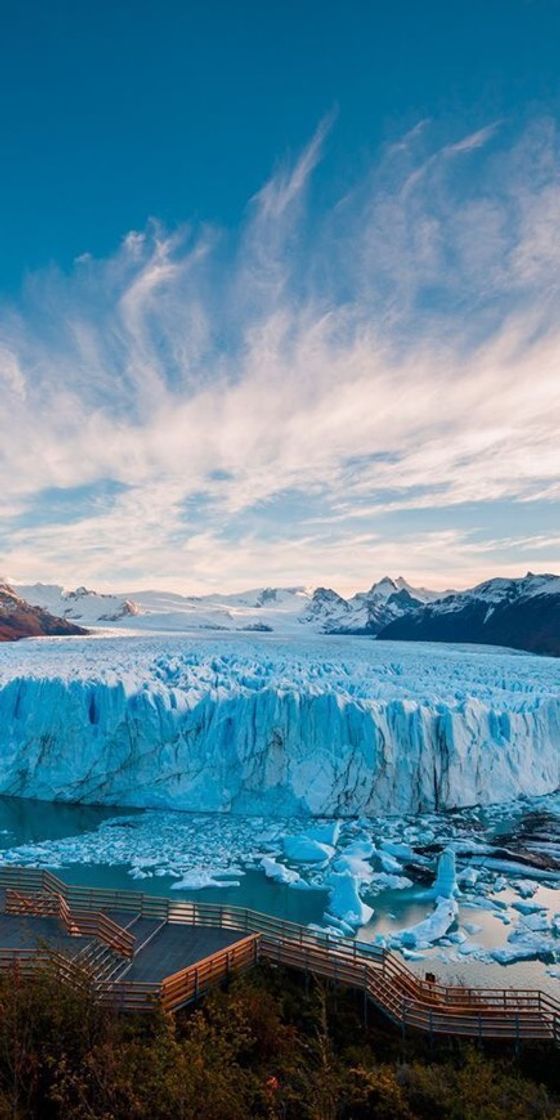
{"x": 416, "y": 337}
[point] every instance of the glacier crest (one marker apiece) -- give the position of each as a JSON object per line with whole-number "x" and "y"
{"x": 334, "y": 730}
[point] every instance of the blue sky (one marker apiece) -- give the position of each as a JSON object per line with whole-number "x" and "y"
{"x": 279, "y": 292}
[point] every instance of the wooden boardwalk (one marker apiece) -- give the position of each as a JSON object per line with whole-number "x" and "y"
{"x": 176, "y": 947}
{"x": 139, "y": 950}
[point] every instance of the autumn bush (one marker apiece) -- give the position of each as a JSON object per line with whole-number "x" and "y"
{"x": 270, "y": 1047}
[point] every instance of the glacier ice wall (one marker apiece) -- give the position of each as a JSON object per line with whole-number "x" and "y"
{"x": 323, "y": 726}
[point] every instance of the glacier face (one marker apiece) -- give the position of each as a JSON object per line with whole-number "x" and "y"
{"x": 323, "y": 725}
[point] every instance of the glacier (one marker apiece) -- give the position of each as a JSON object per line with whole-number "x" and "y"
{"x": 331, "y": 726}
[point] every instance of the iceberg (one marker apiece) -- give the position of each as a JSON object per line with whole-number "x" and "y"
{"x": 344, "y": 900}
{"x": 303, "y": 849}
{"x": 199, "y": 878}
{"x": 279, "y": 872}
{"x": 263, "y": 725}
{"x": 359, "y": 868}
{"x": 432, "y": 928}
{"x": 445, "y": 885}
{"x": 326, "y": 833}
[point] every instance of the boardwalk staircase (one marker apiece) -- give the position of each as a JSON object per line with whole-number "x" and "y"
{"x": 383, "y": 979}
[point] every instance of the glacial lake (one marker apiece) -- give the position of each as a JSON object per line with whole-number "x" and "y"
{"x": 150, "y": 850}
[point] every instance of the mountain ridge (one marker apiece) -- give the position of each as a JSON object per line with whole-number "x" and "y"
{"x": 522, "y": 613}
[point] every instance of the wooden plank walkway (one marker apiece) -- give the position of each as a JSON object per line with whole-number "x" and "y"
{"x": 27, "y": 932}
{"x": 176, "y": 947}
{"x": 208, "y": 941}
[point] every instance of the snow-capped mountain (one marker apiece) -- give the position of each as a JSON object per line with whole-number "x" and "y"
{"x": 19, "y": 619}
{"x": 367, "y": 612}
{"x": 283, "y": 610}
{"x": 82, "y": 605}
{"x": 262, "y": 608}
{"x": 519, "y": 613}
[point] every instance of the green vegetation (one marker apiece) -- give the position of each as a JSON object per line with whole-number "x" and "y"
{"x": 266, "y": 1048}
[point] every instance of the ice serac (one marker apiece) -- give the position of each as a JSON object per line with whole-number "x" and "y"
{"x": 445, "y": 885}
{"x": 329, "y": 726}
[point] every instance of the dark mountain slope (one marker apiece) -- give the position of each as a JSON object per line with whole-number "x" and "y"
{"x": 18, "y": 619}
{"x": 522, "y": 613}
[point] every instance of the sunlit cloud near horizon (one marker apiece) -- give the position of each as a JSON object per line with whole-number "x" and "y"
{"x": 345, "y": 386}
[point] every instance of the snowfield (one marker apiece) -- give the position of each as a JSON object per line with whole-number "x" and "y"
{"x": 333, "y": 726}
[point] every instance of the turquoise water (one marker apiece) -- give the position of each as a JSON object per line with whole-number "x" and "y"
{"x": 255, "y": 891}
{"x": 25, "y": 821}
{"x": 80, "y": 833}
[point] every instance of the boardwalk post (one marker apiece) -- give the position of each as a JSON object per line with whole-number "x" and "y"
{"x": 365, "y": 995}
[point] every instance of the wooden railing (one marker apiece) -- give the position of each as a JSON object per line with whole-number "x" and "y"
{"x": 184, "y": 986}
{"x": 27, "y": 962}
{"x": 79, "y": 923}
{"x": 37, "y": 904}
{"x": 96, "y": 924}
{"x": 191, "y": 982}
{"x": 378, "y": 973}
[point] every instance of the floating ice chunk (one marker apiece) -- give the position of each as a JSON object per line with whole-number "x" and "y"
{"x": 445, "y": 885}
{"x": 518, "y": 870}
{"x": 278, "y": 871}
{"x": 304, "y": 849}
{"x": 389, "y": 863}
{"x": 458, "y": 937}
{"x": 482, "y": 903}
{"x": 433, "y": 927}
{"x": 344, "y": 900}
{"x": 199, "y": 879}
{"x": 537, "y": 923}
{"x": 357, "y": 867}
{"x": 520, "y": 952}
{"x": 525, "y": 887}
{"x": 400, "y": 851}
{"x": 528, "y": 907}
{"x": 471, "y": 928}
{"x": 327, "y": 833}
{"x": 360, "y": 847}
{"x": 469, "y": 876}
{"x": 381, "y": 881}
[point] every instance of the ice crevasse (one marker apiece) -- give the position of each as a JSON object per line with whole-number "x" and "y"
{"x": 333, "y": 729}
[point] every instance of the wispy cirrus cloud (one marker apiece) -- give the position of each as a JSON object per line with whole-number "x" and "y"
{"x": 282, "y": 405}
